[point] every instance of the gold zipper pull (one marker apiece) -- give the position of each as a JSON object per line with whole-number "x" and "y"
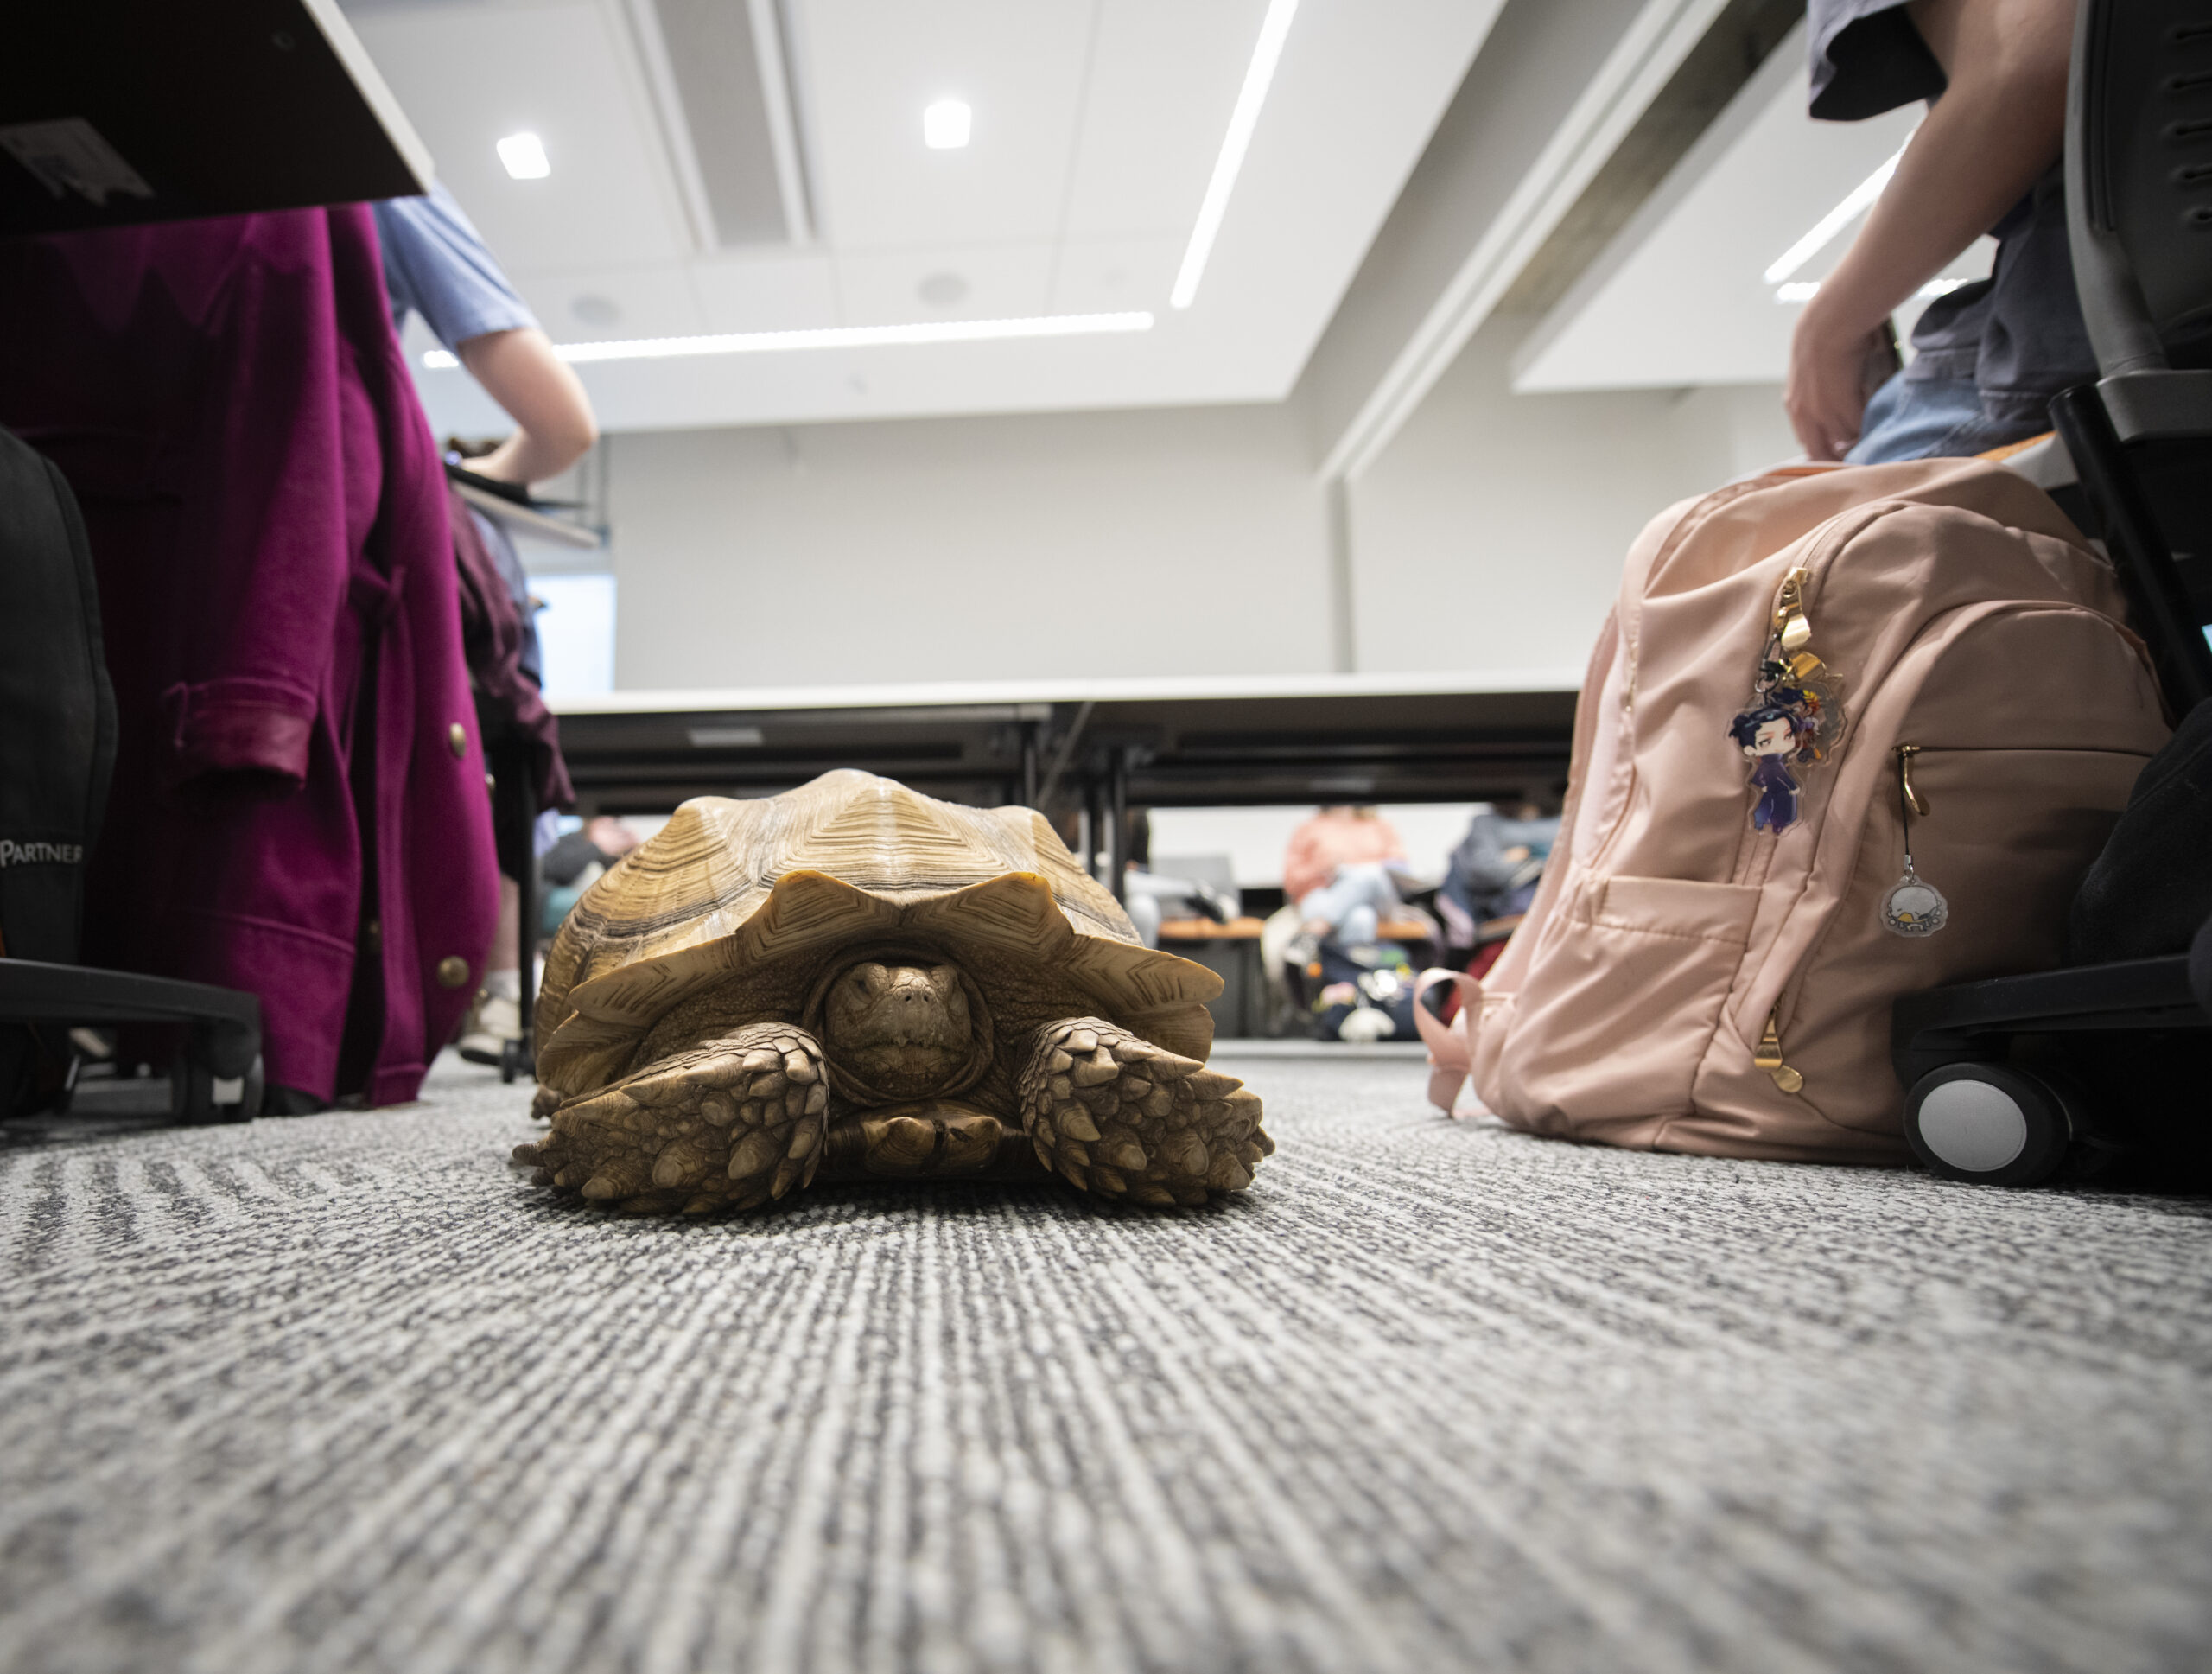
{"x": 1917, "y": 802}
{"x": 1790, "y": 622}
{"x": 1769, "y": 1056}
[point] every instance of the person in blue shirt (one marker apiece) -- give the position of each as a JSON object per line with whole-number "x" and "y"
{"x": 1989, "y": 355}
{"x": 436, "y": 265}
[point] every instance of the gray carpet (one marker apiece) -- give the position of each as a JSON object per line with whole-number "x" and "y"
{"x": 345, "y": 1392}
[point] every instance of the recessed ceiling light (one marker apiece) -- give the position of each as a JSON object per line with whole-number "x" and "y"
{"x": 1273, "y": 27}
{"x": 945, "y": 126}
{"x": 1854, "y": 205}
{"x": 524, "y": 155}
{"x": 838, "y": 337}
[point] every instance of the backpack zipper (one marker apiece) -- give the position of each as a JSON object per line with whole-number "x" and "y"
{"x": 1791, "y": 625}
{"x": 1769, "y": 1056}
{"x": 1914, "y": 907}
{"x": 1912, "y": 796}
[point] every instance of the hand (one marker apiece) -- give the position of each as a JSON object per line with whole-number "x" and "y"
{"x": 1825, "y": 390}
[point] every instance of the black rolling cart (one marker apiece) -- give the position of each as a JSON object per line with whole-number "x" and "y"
{"x": 2009, "y": 1080}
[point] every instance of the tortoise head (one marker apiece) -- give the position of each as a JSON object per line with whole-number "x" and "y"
{"x": 899, "y": 1027}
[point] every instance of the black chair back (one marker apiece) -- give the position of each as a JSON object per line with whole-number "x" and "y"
{"x": 2138, "y": 182}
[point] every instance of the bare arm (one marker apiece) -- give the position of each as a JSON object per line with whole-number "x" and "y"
{"x": 2000, "y": 124}
{"x": 554, "y": 426}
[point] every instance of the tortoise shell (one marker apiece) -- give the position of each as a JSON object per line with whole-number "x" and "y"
{"x": 732, "y": 889}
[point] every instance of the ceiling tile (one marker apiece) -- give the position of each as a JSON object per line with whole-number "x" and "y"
{"x": 1164, "y": 77}
{"x": 996, "y": 282}
{"x": 867, "y": 70}
{"x": 468, "y": 76}
{"x": 794, "y": 293}
{"x": 1361, "y": 84}
{"x": 592, "y": 304}
{"x": 1109, "y": 276}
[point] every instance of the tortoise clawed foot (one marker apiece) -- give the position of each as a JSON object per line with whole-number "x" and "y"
{"x": 1115, "y": 1114}
{"x": 732, "y": 1123}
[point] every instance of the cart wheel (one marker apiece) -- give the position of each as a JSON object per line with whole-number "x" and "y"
{"x": 515, "y": 1060}
{"x": 204, "y": 1097}
{"x": 1989, "y": 1123}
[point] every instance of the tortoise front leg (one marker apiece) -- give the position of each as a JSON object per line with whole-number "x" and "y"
{"x": 1116, "y": 1114}
{"x": 729, "y": 1124}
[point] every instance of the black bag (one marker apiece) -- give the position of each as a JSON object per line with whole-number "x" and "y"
{"x": 57, "y": 710}
{"x": 2149, "y": 892}
{"x": 1376, "y": 978}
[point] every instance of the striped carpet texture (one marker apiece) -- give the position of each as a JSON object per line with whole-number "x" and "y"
{"x": 346, "y": 1392}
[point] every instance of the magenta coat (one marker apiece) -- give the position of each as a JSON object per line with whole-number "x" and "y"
{"x": 299, "y": 803}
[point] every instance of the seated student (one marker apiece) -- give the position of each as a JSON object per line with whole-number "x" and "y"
{"x": 436, "y": 264}
{"x": 1338, "y": 869}
{"x": 1989, "y": 355}
{"x": 1490, "y": 881}
{"x": 1342, "y": 871}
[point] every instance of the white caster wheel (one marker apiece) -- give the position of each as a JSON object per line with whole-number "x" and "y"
{"x": 1991, "y": 1123}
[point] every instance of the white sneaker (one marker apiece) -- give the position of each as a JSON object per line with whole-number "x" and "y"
{"x": 493, "y": 1021}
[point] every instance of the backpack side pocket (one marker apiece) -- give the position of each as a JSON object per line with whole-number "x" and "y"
{"x": 1608, "y": 1032}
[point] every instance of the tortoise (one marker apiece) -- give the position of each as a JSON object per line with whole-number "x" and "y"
{"x": 856, "y": 981}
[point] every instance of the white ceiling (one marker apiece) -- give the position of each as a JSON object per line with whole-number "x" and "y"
{"x": 1678, "y": 299}
{"x": 1096, "y": 126}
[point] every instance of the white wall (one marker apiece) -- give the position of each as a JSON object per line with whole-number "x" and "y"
{"x": 1160, "y": 542}
{"x": 1490, "y": 533}
{"x": 1488, "y": 536}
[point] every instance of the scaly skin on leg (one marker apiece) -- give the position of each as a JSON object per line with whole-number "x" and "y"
{"x": 1117, "y": 1115}
{"x": 727, "y": 1124}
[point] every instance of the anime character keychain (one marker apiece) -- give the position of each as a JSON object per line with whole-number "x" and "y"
{"x": 1795, "y": 718}
{"x": 1914, "y": 907}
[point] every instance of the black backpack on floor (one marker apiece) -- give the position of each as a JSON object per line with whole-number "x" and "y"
{"x": 57, "y": 726}
{"x": 2149, "y": 892}
{"x": 57, "y": 710}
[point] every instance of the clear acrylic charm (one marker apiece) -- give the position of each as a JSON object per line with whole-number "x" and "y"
{"x": 1914, "y": 907}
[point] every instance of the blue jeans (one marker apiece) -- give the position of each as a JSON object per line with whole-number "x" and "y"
{"x": 1352, "y": 901}
{"x": 1933, "y": 418}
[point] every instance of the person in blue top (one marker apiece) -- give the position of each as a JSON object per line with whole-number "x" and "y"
{"x": 1989, "y": 355}
{"x": 436, "y": 265}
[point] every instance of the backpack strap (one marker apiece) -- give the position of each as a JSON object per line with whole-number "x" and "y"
{"x": 1451, "y": 1045}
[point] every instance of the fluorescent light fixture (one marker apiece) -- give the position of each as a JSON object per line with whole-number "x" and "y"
{"x": 945, "y": 126}
{"x": 1273, "y": 29}
{"x": 524, "y": 157}
{"x": 1803, "y": 290}
{"x": 1853, "y": 206}
{"x": 839, "y": 337}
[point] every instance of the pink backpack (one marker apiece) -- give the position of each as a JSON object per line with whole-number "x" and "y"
{"x": 1804, "y": 670}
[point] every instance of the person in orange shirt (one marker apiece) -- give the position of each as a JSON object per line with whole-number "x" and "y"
{"x": 1341, "y": 868}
